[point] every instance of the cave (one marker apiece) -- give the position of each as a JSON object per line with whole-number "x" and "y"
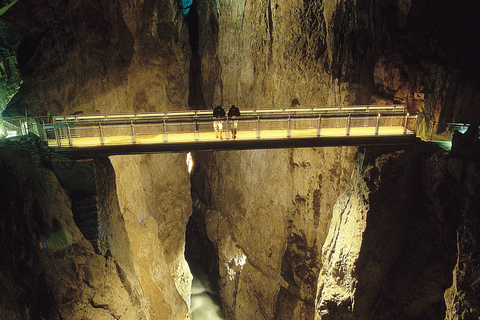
{"x": 314, "y": 233}
{"x": 200, "y": 253}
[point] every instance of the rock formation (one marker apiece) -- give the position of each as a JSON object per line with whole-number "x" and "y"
{"x": 390, "y": 250}
{"x": 105, "y": 56}
{"x": 267, "y": 214}
{"x": 156, "y": 206}
{"x": 280, "y": 222}
{"x": 10, "y": 77}
{"x": 49, "y": 270}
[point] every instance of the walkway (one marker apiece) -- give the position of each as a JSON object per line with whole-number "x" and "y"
{"x": 178, "y": 131}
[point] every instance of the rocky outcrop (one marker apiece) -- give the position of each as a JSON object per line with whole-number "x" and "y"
{"x": 463, "y": 296}
{"x": 101, "y": 56}
{"x": 155, "y": 201}
{"x": 133, "y": 266}
{"x": 394, "y": 239}
{"x": 10, "y": 77}
{"x": 268, "y": 212}
{"x": 49, "y": 270}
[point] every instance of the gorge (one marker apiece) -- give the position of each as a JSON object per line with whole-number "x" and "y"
{"x": 300, "y": 233}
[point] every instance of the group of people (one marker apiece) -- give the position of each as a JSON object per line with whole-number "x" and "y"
{"x": 219, "y": 113}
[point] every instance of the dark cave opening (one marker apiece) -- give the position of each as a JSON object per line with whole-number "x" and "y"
{"x": 196, "y": 98}
{"x": 202, "y": 258}
{"x": 200, "y": 252}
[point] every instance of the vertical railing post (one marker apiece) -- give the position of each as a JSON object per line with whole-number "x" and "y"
{"x": 70, "y": 142}
{"x": 196, "y": 134}
{"x": 57, "y": 135}
{"x": 165, "y": 130}
{"x": 377, "y": 124}
{"x": 289, "y": 123}
{"x": 258, "y": 127}
{"x": 227, "y": 129}
{"x": 319, "y": 125}
{"x": 100, "y": 131}
{"x": 348, "y": 124}
{"x": 134, "y": 134}
{"x": 416, "y": 124}
{"x": 405, "y": 124}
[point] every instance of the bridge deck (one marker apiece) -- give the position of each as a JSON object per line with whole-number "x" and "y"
{"x": 180, "y": 131}
{"x": 266, "y": 139}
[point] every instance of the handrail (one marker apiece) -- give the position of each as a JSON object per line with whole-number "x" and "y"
{"x": 185, "y": 127}
{"x": 252, "y": 127}
{"x": 208, "y": 113}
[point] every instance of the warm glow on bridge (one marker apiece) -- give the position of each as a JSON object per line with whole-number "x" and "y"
{"x": 187, "y": 127}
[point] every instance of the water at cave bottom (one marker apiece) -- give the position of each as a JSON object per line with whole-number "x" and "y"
{"x": 205, "y": 302}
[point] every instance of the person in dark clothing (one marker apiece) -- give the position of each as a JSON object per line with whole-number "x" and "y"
{"x": 218, "y": 114}
{"x": 233, "y": 114}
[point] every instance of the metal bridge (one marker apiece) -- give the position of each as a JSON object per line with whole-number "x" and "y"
{"x": 93, "y": 135}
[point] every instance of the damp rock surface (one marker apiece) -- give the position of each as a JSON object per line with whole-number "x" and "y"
{"x": 154, "y": 199}
{"x": 267, "y": 212}
{"x": 49, "y": 269}
{"x": 395, "y": 239}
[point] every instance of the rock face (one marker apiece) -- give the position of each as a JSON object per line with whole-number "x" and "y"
{"x": 285, "y": 251}
{"x": 101, "y": 56}
{"x": 397, "y": 234}
{"x": 268, "y": 213}
{"x": 10, "y": 77}
{"x": 134, "y": 268}
{"x": 156, "y": 206}
{"x": 390, "y": 249}
{"x": 49, "y": 269}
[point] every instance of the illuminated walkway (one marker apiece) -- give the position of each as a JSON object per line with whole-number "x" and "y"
{"x": 179, "y": 131}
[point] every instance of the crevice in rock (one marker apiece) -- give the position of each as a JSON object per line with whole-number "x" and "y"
{"x": 77, "y": 178}
{"x": 199, "y": 250}
{"x": 201, "y": 254}
{"x": 84, "y": 209}
{"x": 196, "y": 98}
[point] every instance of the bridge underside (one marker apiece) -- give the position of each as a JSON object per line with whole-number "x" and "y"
{"x": 219, "y": 145}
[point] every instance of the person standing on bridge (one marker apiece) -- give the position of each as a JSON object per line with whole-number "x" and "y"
{"x": 233, "y": 114}
{"x": 218, "y": 114}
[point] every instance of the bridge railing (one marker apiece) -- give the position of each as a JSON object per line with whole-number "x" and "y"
{"x": 197, "y": 126}
{"x": 205, "y": 114}
{"x": 20, "y": 126}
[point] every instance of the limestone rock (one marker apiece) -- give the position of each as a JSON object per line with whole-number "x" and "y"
{"x": 154, "y": 198}
{"x": 10, "y": 77}
{"x": 102, "y": 56}
{"x": 392, "y": 244}
{"x": 268, "y": 212}
{"x": 45, "y": 252}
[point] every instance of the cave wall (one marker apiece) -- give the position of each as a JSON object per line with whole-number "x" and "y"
{"x": 392, "y": 246}
{"x": 268, "y": 212}
{"x": 100, "y": 56}
{"x": 49, "y": 270}
{"x": 10, "y": 77}
{"x": 128, "y": 56}
{"x": 154, "y": 199}
{"x": 269, "y": 53}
